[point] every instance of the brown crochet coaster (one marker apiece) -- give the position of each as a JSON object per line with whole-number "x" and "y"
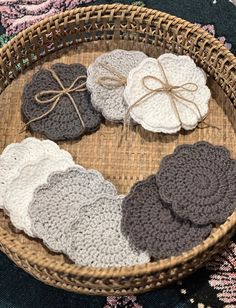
{"x": 199, "y": 181}
{"x": 57, "y": 104}
{"x": 150, "y": 225}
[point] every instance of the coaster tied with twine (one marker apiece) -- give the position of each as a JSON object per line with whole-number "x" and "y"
{"x": 106, "y": 81}
{"x": 174, "y": 93}
{"x": 57, "y": 94}
{"x": 57, "y": 103}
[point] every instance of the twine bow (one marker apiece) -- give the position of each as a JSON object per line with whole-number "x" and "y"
{"x": 174, "y": 92}
{"x": 57, "y": 94}
{"x": 115, "y": 80}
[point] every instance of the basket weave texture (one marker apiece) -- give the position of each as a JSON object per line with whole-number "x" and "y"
{"x": 81, "y": 35}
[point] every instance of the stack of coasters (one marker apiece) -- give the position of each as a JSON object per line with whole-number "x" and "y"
{"x": 16, "y": 155}
{"x": 167, "y": 94}
{"x": 57, "y": 203}
{"x": 199, "y": 182}
{"x": 174, "y": 210}
{"x": 96, "y": 239}
{"x": 22, "y": 167}
{"x": 57, "y": 104}
{"x": 150, "y": 225}
{"x": 106, "y": 81}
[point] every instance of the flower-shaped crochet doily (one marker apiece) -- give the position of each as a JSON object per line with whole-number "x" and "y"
{"x": 167, "y": 105}
{"x": 199, "y": 181}
{"x": 56, "y": 203}
{"x": 96, "y": 238}
{"x": 63, "y": 123}
{"x": 109, "y": 99}
{"x": 20, "y": 191}
{"x": 16, "y": 155}
{"x": 150, "y": 225}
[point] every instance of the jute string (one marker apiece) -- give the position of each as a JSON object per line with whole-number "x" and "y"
{"x": 57, "y": 94}
{"x": 115, "y": 80}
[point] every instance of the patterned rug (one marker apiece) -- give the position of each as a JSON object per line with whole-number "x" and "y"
{"x": 213, "y": 286}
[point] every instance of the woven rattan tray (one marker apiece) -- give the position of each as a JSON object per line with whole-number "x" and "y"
{"x": 81, "y": 35}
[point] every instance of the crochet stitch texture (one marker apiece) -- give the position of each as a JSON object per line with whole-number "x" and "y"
{"x": 17, "y": 155}
{"x": 57, "y": 203}
{"x": 156, "y": 112}
{"x": 110, "y": 102}
{"x": 96, "y": 238}
{"x": 150, "y": 225}
{"x": 199, "y": 182}
{"x": 63, "y": 122}
{"x": 20, "y": 191}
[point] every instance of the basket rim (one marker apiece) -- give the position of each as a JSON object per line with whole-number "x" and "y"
{"x": 19, "y": 249}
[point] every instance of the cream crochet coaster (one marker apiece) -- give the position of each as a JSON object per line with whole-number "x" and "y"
{"x": 16, "y": 155}
{"x": 20, "y": 190}
{"x": 199, "y": 181}
{"x": 96, "y": 238}
{"x": 108, "y": 96}
{"x": 150, "y": 225}
{"x": 170, "y": 93}
{"x": 57, "y": 203}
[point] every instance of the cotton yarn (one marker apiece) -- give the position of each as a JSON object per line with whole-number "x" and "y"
{"x": 57, "y": 203}
{"x": 20, "y": 191}
{"x": 158, "y": 112}
{"x": 63, "y": 123}
{"x": 109, "y": 100}
{"x": 17, "y": 155}
{"x": 199, "y": 182}
{"x": 96, "y": 238}
{"x": 150, "y": 225}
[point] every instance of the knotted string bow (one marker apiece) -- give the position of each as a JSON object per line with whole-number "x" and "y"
{"x": 115, "y": 80}
{"x": 57, "y": 94}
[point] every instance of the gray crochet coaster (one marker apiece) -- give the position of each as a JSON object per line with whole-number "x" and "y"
{"x": 63, "y": 123}
{"x": 151, "y": 226}
{"x": 199, "y": 181}
{"x": 96, "y": 238}
{"x": 57, "y": 203}
{"x": 110, "y": 100}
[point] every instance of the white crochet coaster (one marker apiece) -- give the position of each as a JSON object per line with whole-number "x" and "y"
{"x": 20, "y": 190}
{"x": 110, "y": 101}
{"x": 157, "y": 112}
{"x": 96, "y": 238}
{"x": 56, "y": 203}
{"x": 20, "y": 154}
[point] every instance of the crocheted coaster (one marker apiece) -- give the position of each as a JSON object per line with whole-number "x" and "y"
{"x": 16, "y": 155}
{"x": 73, "y": 115}
{"x": 56, "y": 203}
{"x": 167, "y": 93}
{"x": 96, "y": 238}
{"x": 20, "y": 190}
{"x": 107, "y": 78}
{"x": 151, "y": 226}
{"x": 199, "y": 181}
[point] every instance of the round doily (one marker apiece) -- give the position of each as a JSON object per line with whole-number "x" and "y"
{"x": 150, "y": 225}
{"x": 63, "y": 122}
{"x": 96, "y": 238}
{"x": 109, "y": 100}
{"x": 56, "y": 203}
{"x": 157, "y": 112}
{"x": 20, "y": 190}
{"x": 199, "y": 181}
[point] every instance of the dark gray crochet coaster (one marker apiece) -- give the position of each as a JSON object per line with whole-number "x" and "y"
{"x": 150, "y": 225}
{"x": 199, "y": 181}
{"x": 63, "y": 123}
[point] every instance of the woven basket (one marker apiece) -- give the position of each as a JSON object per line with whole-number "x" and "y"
{"x": 81, "y": 35}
